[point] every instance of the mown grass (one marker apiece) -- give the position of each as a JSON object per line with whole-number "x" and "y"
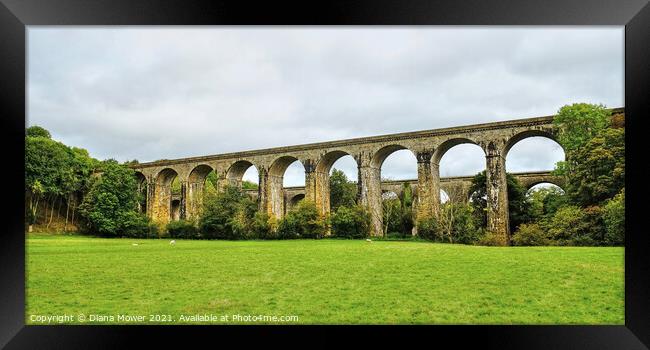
{"x": 326, "y": 281}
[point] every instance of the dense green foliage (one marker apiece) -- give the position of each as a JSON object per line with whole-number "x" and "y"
{"x": 226, "y": 214}
{"x": 110, "y": 206}
{"x": 596, "y": 170}
{"x": 592, "y": 212}
{"x": 182, "y": 229}
{"x": 326, "y": 281}
{"x": 343, "y": 192}
{"x": 579, "y": 123}
{"x": 614, "y": 219}
{"x": 530, "y": 235}
{"x": 428, "y": 228}
{"x": 303, "y": 221}
{"x": 262, "y": 226}
{"x": 456, "y": 223}
{"x": 350, "y": 222}
{"x": 247, "y": 185}
{"x": 54, "y": 174}
{"x": 37, "y": 131}
{"x": 397, "y": 213}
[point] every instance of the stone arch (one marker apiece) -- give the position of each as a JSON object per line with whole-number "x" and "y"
{"x": 163, "y": 196}
{"x": 321, "y": 179}
{"x": 166, "y": 176}
{"x": 275, "y": 184}
{"x": 526, "y": 134}
{"x": 532, "y": 160}
{"x": 380, "y": 155}
{"x": 195, "y": 185}
{"x": 293, "y": 201}
{"x": 550, "y": 181}
{"x": 449, "y": 144}
{"x": 236, "y": 171}
{"x": 370, "y": 186}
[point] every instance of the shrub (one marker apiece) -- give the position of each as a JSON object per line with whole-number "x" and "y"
{"x": 132, "y": 224}
{"x": 594, "y": 233}
{"x": 351, "y": 222}
{"x": 614, "y": 219}
{"x": 391, "y": 215}
{"x": 407, "y": 222}
{"x": 262, "y": 226}
{"x": 567, "y": 226}
{"x": 109, "y": 207}
{"x": 530, "y": 235}
{"x": 302, "y": 222}
{"x": 428, "y": 228}
{"x": 219, "y": 216}
{"x": 492, "y": 239}
{"x": 182, "y": 229}
{"x": 458, "y": 224}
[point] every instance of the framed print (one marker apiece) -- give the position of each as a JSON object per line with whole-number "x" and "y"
{"x": 380, "y": 170}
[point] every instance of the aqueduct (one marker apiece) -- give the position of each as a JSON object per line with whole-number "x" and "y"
{"x": 428, "y": 146}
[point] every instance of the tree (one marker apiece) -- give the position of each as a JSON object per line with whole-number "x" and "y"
{"x": 614, "y": 218}
{"x": 544, "y": 201}
{"x": 580, "y": 122}
{"x": 248, "y": 185}
{"x": 54, "y": 174}
{"x": 342, "y": 191}
{"x": 568, "y": 225}
{"x": 392, "y": 215}
{"x": 110, "y": 206}
{"x": 303, "y": 221}
{"x": 37, "y": 131}
{"x": 457, "y": 224}
{"x": 596, "y": 170}
{"x": 530, "y": 235}
{"x": 351, "y": 222}
{"x": 219, "y": 217}
{"x": 456, "y": 221}
{"x": 407, "y": 221}
{"x": 517, "y": 205}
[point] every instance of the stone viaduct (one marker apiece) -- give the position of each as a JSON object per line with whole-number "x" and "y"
{"x": 428, "y": 146}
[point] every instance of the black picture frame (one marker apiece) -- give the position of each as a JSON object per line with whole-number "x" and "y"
{"x": 15, "y": 15}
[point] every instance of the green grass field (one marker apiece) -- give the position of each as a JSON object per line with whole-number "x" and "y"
{"x": 322, "y": 281}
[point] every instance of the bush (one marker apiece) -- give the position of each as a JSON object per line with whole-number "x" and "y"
{"x": 458, "y": 224}
{"x": 530, "y": 235}
{"x": 428, "y": 228}
{"x": 109, "y": 207}
{"x": 568, "y": 226}
{"x": 182, "y": 229}
{"x": 492, "y": 239}
{"x": 224, "y": 215}
{"x": 351, "y": 222}
{"x": 262, "y": 226}
{"x": 594, "y": 233}
{"x": 614, "y": 219}
{"x": 132, "y": 224}
{"x": 302, "y": 222}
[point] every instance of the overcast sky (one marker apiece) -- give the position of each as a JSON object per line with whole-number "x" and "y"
{"x": 151, "y": 93}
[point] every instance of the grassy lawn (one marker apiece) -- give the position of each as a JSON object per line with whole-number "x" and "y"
{"x": 325, "y": 281}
